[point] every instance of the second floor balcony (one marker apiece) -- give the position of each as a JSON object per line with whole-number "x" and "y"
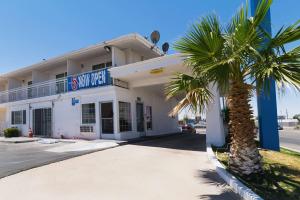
{"x": 71, "y": 83}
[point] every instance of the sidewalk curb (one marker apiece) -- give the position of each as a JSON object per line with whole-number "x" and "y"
{"x": 147, "y": 138}
{"x": 290, "y": 149}
{"x": 238, "y": 187}
{"x": 18, "y": 141}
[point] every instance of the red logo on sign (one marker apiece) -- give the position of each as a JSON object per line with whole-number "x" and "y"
{"x": 74, "y": 84}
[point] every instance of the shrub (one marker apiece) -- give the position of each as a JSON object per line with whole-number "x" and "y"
{"x": 11, "y": 132}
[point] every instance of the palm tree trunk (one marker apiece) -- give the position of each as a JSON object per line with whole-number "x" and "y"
{"x": 244, "y": 156}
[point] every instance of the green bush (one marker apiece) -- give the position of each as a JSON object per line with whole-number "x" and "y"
{"x": 11, "y": 132}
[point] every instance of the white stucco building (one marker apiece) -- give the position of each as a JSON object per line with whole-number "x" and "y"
{"x": 113, "y": 90}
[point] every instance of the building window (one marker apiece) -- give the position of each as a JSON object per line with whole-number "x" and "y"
{"x": 108, "y": 64}
{"x": 29, "y": 89}
{"x": 18, "y": 117}
{"x": 149, "y": 117}
{"x": 101, "y": 66}
{"x": 62, "y": 75}
{"x": 24, "y": 116}
{"x": 88, "y": 113}
{"x": 61, "y": 83}
{"x": 124, "y": 116}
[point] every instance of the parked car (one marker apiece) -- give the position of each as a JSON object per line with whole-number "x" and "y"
{"x": 188, "y": 128}
{"x": 200, "y": 125}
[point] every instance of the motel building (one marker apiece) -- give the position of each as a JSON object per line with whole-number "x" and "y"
{"x": 111, "y": 90}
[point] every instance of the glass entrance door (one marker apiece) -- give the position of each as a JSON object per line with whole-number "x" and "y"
{"x": 42, "y": 122}
{"x": 140, "y": 117}
{"x": 107, "y": 118}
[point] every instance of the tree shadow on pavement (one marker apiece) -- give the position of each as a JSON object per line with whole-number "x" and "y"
{"x": 211, "y": 177}
{"x": 226, "y": 195}
{"x": 181, "y": 141}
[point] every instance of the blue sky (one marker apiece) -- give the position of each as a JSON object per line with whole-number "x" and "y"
{"x": 33, "y": 29}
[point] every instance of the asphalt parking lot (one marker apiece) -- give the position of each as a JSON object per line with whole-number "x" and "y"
{"x": 17, "y": 157}
{"x": 173, "y": 167}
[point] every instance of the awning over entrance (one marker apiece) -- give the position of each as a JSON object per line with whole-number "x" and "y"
{"x": 150, "y": 72}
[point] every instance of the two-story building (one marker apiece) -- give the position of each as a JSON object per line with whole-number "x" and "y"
{"x": 112, "y": 90}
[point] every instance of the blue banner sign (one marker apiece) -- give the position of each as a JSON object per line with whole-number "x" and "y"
{"x": 88, "y": 80}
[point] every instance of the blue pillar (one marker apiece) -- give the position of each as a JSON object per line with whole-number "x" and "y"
{"x": 266, "y": 101}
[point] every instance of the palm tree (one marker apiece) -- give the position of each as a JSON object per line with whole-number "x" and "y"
{"x": 239, "y": 58}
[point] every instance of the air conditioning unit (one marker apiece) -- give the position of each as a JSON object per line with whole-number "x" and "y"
{"x": 86, "y": 130}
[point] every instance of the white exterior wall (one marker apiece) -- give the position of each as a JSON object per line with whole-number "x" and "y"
{"x": 132, "y": 56}
{"x": 118, "y": 57}
{"x": 66, "y": 118}
{"x": 73, "y": 67}
{"x": 68, "y": 122}
{"x": 22, "y": 127}
{"x": 88, "y": 63}
{"x": 39, "y": 76}
{"x": 3, "y": 87}
{"x": 14, "y": 83}
{"x": 161, "y": 122}
{"x": 56, "y": 70}
{"x": 136, "y": 57}
{"x": 214, "y": 129}
{"x": 26, "y": 80}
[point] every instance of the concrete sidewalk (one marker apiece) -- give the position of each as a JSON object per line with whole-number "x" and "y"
{"x": 168, "y": 168}
{"x": 18, "y": 139}
{"x": 84, "y": 146}
{"x": 20, "y": 156}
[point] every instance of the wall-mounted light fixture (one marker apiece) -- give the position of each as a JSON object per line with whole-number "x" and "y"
{"x": 107, "y": 49}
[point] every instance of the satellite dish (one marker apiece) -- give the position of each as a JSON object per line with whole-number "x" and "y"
{"x": 155, "y": 37}
{"x": 165, "y": 47}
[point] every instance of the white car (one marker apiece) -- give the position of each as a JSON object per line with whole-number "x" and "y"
{"x": 200, "y": 125}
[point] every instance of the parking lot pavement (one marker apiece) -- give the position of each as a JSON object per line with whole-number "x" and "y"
{"x": 174, "y": 167}
{"x": 16, "y": 157}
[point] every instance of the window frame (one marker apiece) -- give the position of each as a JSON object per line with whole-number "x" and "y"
{"x": 18, "y": 117}
{"x": 150, "y": 120}
{"x": 89, "y": 120}
{"x": 61, "y": 83}
{"x": 103, "y": 65}
{"x": 124, "y": 128}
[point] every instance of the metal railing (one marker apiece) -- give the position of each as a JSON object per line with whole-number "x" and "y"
{"x": 42, "y": 89}
{"x": 47, "y": 88}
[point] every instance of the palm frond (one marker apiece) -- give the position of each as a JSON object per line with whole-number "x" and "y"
{"x": 286, "y": 35}
{"x": 284, "y": 69}
{"x": 193, "y": 91}
{"x": 261, "y": 12}
{"x": 203, "y": 42}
